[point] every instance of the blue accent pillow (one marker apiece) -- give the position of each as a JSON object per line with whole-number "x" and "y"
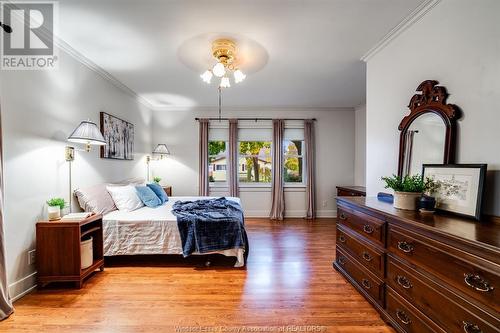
{"x": 159, "y": 191}
{"x": 147, "y": 196}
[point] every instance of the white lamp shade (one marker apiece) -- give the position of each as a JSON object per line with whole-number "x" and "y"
{"x": 161, "y": 149}
{"x": 207, "y": 76}
{"x": 239, "y": 76}
{"x": 87, "y": 133}
{"x": 219, "y": 70}
{"x": 224, "y": 82}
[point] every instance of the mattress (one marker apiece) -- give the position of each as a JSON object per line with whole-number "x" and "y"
{"x": 151, "y": 231}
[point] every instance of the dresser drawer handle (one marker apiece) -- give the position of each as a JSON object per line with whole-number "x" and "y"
{"x": 404, "y": 282}
{"x": 477, "y": 282}
{"x": 341, "y": 261}
{"x": 342, "y": 216}
{"x": 471, "y": 328}
{"x": 367, "y": 256}
{"x": 342, "y": 238}
{"x": 405, "y": 247}
{"x": 403, "y": 317}
{"x": 368, "y": 229}
{"x": 366, "y": 284}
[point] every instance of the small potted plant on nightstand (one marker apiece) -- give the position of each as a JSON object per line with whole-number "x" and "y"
{"x": 54, "y": 207}
{"x": 157, "y": 180}
{"x": 407, "y": 190}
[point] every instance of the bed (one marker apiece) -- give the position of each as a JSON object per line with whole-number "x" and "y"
{"x": 153, "y": 231}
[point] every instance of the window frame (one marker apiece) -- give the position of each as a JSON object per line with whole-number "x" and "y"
{"x": 254, "y": 184}
{"x": 304, "y": 165}
{"x": 224, "y": 184}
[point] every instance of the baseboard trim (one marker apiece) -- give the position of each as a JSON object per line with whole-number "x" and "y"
{"x": 22, "y": 287}
{"x": 291, "y": 213}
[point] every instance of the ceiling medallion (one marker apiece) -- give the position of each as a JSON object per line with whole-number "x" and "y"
{"x": 225, "y": 53}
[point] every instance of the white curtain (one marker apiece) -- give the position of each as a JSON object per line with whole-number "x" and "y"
{"x": 233, "y": 158}
{"x": 310, "y": 167}
{"x": 5, "y": 303}
{"x": 203, "y": 156}
{"x": 277, "y": 192}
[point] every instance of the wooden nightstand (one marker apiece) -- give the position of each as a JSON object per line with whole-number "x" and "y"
{"x": 168, "y": 190}
{"x": 58, "y": 252}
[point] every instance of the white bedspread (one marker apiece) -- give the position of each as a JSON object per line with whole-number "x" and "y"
{"x": 150, "y": 231}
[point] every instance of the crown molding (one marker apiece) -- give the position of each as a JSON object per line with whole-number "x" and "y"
{"x": 214, "y": 108}
{"x": 68, "y": 49}
{"x": 415, "y": 16}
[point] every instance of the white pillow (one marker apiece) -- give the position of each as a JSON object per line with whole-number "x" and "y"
{"x": 125, "y": 197}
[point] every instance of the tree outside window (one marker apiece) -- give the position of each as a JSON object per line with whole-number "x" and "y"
{"x": 255, "y": 163}
{"x": 293, "y": 161}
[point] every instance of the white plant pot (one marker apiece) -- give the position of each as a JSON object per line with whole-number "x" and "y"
{"x": 54, "y": 213}
{"x": 406, "y": 200}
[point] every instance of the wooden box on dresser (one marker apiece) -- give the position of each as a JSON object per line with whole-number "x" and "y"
{"x": 423, "y": 273}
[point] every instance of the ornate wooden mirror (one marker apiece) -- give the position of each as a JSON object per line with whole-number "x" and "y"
{"x": 428, "y": 133}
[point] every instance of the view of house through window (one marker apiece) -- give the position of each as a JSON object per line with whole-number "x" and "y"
{"x": 293, "y": 161}
{"x": 217, "y": 161}
{"x": 254, "y": 163}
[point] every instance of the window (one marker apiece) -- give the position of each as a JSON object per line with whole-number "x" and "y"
{"x": 217, "y": 162}
{"x": 255, "y": 162}
{"x": 293, "y": 161}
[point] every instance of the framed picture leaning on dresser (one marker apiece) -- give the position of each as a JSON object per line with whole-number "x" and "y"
{"x": 461, "y": 187}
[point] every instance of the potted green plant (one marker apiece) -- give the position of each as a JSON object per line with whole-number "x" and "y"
{"x": 54, "y": 207}
{"x": 407, "y": 190}
{"x": 427, "y": 202}
{"x": 157, "y": 180}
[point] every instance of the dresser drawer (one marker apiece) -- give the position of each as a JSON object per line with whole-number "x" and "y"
{"x": 437, "y": 302}
{"x": 409, "y": 319}
{"x": 363, "y": 278}
{"x": 366, "y": 225}
{"x": 368, "y": 255}
{"x": 476, "y": 277}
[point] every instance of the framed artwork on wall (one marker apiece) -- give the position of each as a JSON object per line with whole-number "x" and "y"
{"x": 119, "y": 136}
{"x": 461, "y": 187}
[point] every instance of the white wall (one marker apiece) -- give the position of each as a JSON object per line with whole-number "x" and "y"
{"x": 39, "y": 110}
{"x": 458, "y": 44}
{"x": 360, "y": 145}
{"x": 334, "y": 153}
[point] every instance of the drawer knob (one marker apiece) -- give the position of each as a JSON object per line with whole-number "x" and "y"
{"x": 368, "y": 229}
{"x": 477, "y": 282}
{"x": 405, "y": 247}
{"x": 367, "y": 256}
{"x": 341, "y": 261}
{"x": 404, "y": 282}
{"x": 342, "y": 216}
{"x": 366, "y": 284}
{"x": 403, "y": 317}
{"x": 342, "y": 238}
{"x": 471, "y": 328}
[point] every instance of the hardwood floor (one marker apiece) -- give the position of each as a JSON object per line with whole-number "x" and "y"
{"x": 289, "y": 281}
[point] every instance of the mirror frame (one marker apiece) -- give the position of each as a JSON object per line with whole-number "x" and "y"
{"x": 431, "y": 99}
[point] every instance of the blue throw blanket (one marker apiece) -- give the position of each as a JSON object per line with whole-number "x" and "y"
{"x": 209, "y": 225}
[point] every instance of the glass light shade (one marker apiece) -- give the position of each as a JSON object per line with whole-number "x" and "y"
{"x": 87, "y": 133}
{"x": 207, "y": 76}
{"x": 239, "y": 76}
{"x": 219, "y": 70}
{"x": 161, "y": 149}
{"x": 224, "y": 82}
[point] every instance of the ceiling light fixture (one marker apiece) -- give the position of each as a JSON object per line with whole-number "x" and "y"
{"x": 224, "y": 52}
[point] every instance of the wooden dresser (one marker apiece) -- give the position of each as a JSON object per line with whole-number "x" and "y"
{"x": 351, "y": 191}
{"x": 423, "y": 273}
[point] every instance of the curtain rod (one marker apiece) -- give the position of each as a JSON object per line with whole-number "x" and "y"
{"x": 256, "y": 119}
